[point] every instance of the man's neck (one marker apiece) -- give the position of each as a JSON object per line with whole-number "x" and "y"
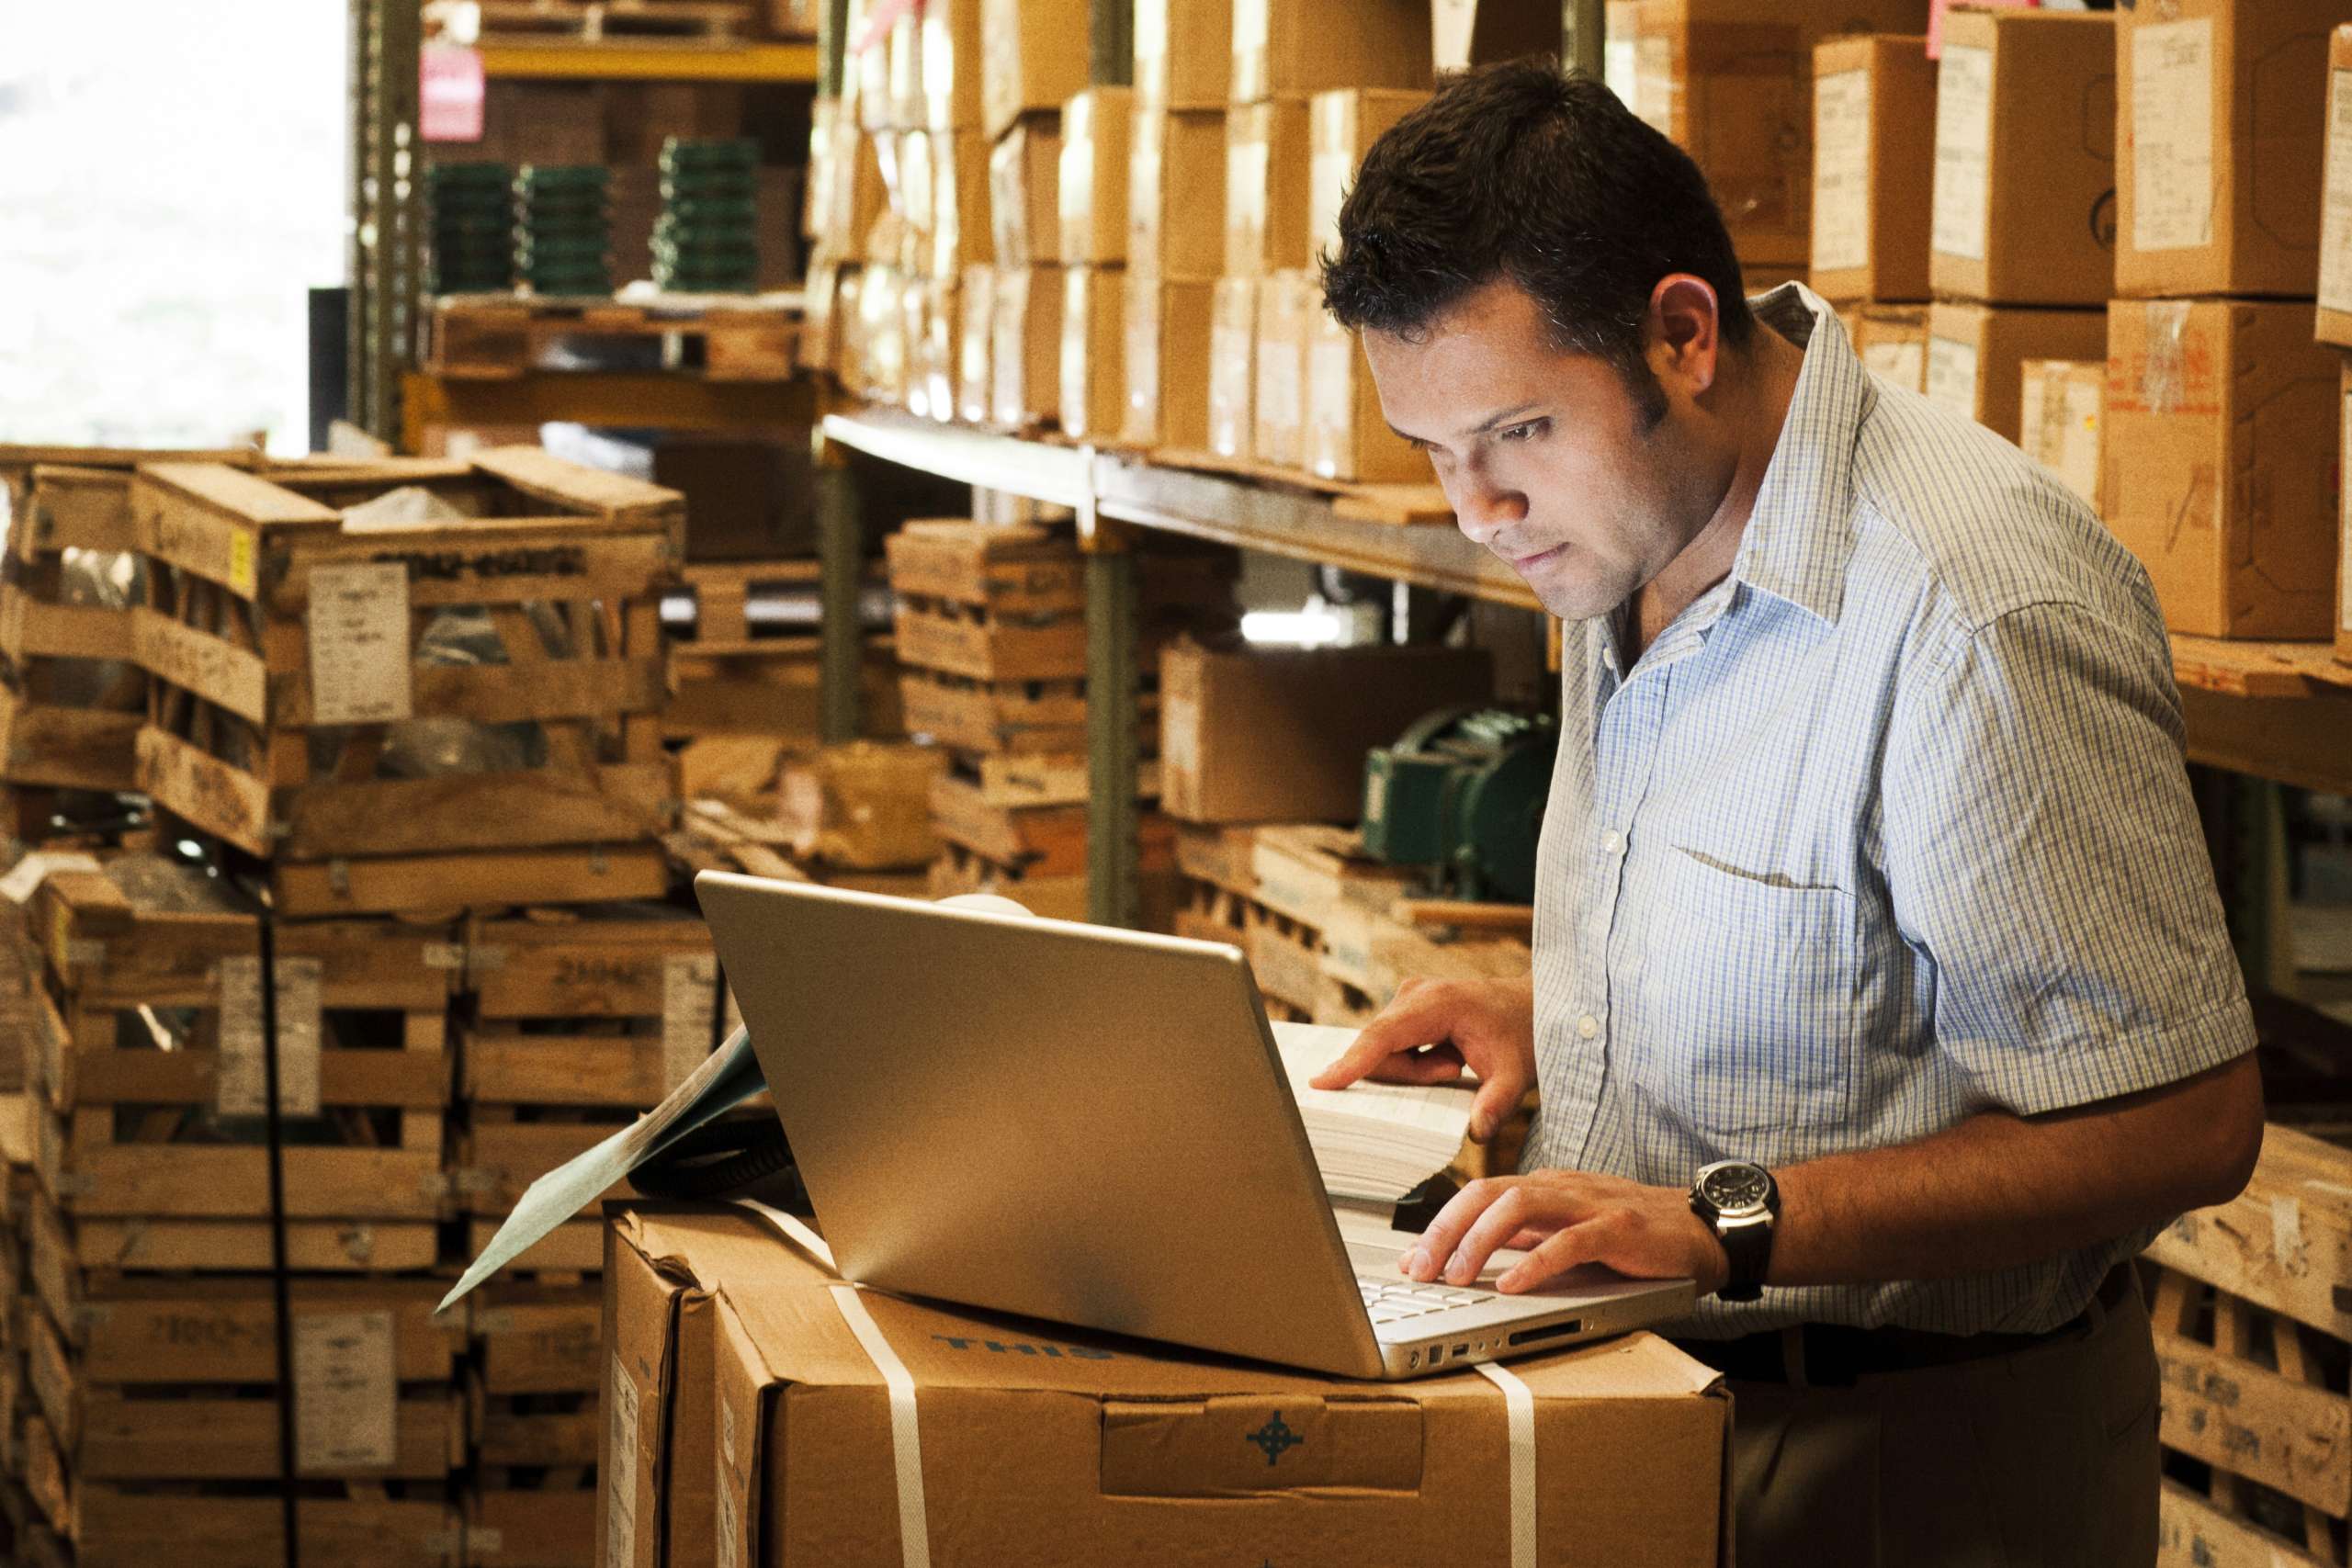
{"x": 1772, "y": 369}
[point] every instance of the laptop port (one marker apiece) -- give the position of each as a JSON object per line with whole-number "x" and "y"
{"x": 1549, "y": 1331}
{"x": 1461, "y": 1350}
{"x": 1437, "y": 1354}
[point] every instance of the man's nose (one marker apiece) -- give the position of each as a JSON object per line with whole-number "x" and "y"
{"x": 1485, "y": 509}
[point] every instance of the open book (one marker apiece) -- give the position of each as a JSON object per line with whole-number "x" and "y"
{"x": 1373, "y": 1142}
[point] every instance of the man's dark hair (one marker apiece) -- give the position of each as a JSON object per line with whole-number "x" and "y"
{"x": 1517, "y": 171}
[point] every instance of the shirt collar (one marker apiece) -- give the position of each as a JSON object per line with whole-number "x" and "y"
{"x": 1800, "y": 531}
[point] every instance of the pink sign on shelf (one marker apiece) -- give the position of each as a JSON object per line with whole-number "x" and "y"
{"x": 1936, "y": 19}
{"x": 450, "y": 94}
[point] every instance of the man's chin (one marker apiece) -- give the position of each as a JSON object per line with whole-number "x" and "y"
{"x": 1568, "y": 595}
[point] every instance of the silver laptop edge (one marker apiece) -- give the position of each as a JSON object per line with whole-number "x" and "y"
{"x": 1126, "y": 1157}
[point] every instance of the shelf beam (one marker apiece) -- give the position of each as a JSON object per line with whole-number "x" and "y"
{"x": 608, "y": 61}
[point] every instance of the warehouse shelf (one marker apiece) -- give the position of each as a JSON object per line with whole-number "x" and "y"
{"x": 645, "y": 60}
{"x": 2260, "y": 669}
{"x": 1044, "y": 471}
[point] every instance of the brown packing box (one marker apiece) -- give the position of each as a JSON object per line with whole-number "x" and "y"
{"x": 1044, "y": 1444}
{"x": 2221, "y": 462}
{"x": 866, "y": 73}
{"x": 1291, "y": 48}
{"x": 975, "y": 339}
{"x": 908, "y": 109}
{"x": 1176, "y": 193}
{"x": 960, "y": 233}
{"x": 1480, "y": 32}
{"x": 1093, "y": 180}
{"x": 2220, "y": 143}
{"x": 1024, "y": 346}
{"x": 1287, "y": 304}
{"x": 1258, "y": 735}
{"x": 2344, "y": 531}
{"x": 2335, "y": 212}
{"x": 1183, "y": 53}
{"x": 1873, "y": 157}
{"x": 934, "y": 359}
{"x": 1233, "y": 375}
{"x": 1167, "y": 364}
{"x": 1976, "y": 354}
{"x": 2060, "y": 419}
{"x": 918, "y": 189}
{"x": 656, "y": 1455}
{"x": 1730, "y": 81}
{"x": 951, "y": 65}
{"x": 1024, "y": 196}
{"x": 2025, "y": 158}
{"x": 1343, "y": 126}
{"x": 1892, "y": 340}
{"x": 855, "y": 198}
{"x": 1033, "y": 55}
{"x": 1348, "y": 438}
{"x": 881, "y": 343}
{"x": 1093, "y": 382}
{"x": 1267, "y": 164}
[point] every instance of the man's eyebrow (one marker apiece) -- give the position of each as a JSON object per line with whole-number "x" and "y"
{"x": 1482, "y": 427}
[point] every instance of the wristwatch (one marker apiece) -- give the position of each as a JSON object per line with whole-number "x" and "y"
{"x": 1742, "y": 1202}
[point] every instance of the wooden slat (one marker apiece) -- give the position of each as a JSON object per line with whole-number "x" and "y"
{"x": 210, "y": 793}
{"x": 2240, "y": 1416}
{"x": 2285, "y": 1242}
{"x": 474, "y": 879}
{"x": 2191, "y": 1532}
{"x": 992, "y": 652}
{"x": 614, "y": 803}
{"x": 67, "y": 748}
{"x": 574, "y": 486}
{"x": 115, "y": 1525}
{"x": 211, "y": 667}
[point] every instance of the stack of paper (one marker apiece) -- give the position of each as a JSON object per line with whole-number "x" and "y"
{"x": 1373, "y": 1142}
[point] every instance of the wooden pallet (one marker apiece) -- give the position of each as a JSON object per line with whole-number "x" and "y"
{"x": 1045, "y": 841}
{"x": 147, "y": 1053}
{"x": 283, "y": 651}
{"x": 1013, "y": 718}
{"x": 492, "y": 337}
{"x": 960, "y": 869}
{"x": 1307, "y": 870}
{"x": 536, "y": 1431}
{"x": 774, "y": 688}
{"x": 721, "y": 595}
{"x": 1285, "y": 957}
{"x": 237, "y": 1524}
{"x": 523, "y": 1518}
{"x": 449, "y": 884}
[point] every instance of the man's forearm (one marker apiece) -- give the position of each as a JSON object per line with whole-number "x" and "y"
{"x": 1998, "y": 1192}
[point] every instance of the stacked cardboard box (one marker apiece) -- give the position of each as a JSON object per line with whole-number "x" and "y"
{"x": 2222, "y": 412}
{"x": 1176, "y": 175}
{"x": 1093, "y": 196}
{"x": 2334, "y": 312}
{"x": 1873, "y": 151}
{"x": 2022, "y": 238}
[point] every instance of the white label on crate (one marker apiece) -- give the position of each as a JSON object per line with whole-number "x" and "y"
{"x": 359, "y": 643}
{"x": 1841, "y": 171}
{"x": 1952, "y": 372}
{"x": 347, "y": 1393}
{"x": 1964, "y": 151}
{"x": 730, "y": 1532}
{"x": 620, "y": 1486}
{"x": 2335, "y": 213}
{"x": 30, "y": 873}
{"x": 1618, "y": 69}
{"x": 241, "y": 1087}
{"x": 2172, "y": 135}
{"x": 1903, "y": 361}
{"x": 2287, "y": 1236}
{"x": 689, "y": 998}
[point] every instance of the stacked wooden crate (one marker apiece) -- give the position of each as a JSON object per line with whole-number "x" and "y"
{"x": 33, "y": 1540}
{"x": 1277, "y": 891}
{"x": 735, "y": 671}
{"x": 403, "y": 715}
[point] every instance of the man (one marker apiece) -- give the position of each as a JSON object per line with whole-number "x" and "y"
{"x": 1869, "y": 866}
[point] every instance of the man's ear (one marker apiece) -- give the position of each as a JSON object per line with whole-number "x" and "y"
{"x": 1685, "y": 331}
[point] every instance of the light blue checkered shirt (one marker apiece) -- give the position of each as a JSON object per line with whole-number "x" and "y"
{"x": 1888, "y": 829}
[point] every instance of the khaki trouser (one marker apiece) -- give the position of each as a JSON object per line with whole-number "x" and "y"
{"x": 2043, "y": 1458}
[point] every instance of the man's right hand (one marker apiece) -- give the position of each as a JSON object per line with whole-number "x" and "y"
{"x": 1486, "y": 1026}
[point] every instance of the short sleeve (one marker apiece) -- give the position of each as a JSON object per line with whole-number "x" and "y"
{"x": 2043, "y": 852}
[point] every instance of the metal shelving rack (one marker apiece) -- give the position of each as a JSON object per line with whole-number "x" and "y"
{"x": 387, "y": 242}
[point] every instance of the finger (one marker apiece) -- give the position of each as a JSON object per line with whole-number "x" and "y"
{"x": 1418, "y": 1017}
{"x": 1569, "y": 1247}
{"x": 1526, "y": 1207}
{"x": 1436, "y": 1064}
{"x": 1444, "y": 1232}
{"x": 1498, "y": 1098}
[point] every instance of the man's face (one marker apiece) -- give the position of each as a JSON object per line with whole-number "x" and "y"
{"x": 1549, "y": 458}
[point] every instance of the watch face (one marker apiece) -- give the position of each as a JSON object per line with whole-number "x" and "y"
{"x": 1735, "y": 1188}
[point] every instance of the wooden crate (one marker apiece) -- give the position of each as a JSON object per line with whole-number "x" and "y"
{"x": 287, "y": 681}
{"x": 148, "y": 1054}
{"x": 533, "y": 1431}
{"x": 1046, "y": 841}
{"x": 237, "y": 1524}
{"x": 710, "y": 337}
{"x": 532, "y": 1337}
{"x": 2284, "y": 1245}
{"x": 776, "y": 688}
{"x": 673, "y": 23}
{"x": 1057, "y": 898}
{"x": 1012, "y": 719}
{"x": 1285, "y": 957}
{"x": 1307, "y": 870}
{"x": 518, "y": 1518}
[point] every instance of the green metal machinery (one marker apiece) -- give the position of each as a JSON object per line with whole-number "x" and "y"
{"x": 1463, "y": 791}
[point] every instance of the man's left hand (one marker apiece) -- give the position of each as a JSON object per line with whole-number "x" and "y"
{"x": 1562, "y": 1219}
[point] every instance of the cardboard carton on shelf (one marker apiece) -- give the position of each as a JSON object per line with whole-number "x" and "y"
{"x": 1025, "y": 192}
{"x": 1183, "y": 53}
{"x": 1167, "y": 361}
{"x": 1891, "y": 340}
{"x": 1288, "y": 303}
{"x": 951, "y": 65}
{"x": 961, "y": 234}
{"x": 2221, "y": 137}
{"x": 1874, "y": 133}
{"x": 1232, "y": 369}
{"x": 2025, "y": 158}
{"x": 1093, "y": 178}
{"x": 2061, "y": 418}
{"x": 1344, "y": 125}
{"x": 2221, "y": 422}
{"x": 1094, "y": 380}
{"x": 1976, "y": 354}
{"x": 1267, "y": 163}
{"x": 1346, "y": 438}
{"x": 975, "y": 339}
{"x": 1176, "y": 193}
{"x": 1293, "y": 48}
{"x": 1033, "y": 55}
{"x": 2335, "y": 212}
{"x": 1024, "y": 346}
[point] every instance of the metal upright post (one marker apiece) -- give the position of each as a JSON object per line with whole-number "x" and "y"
{"x": 841, "y": 554}
{"x": 386, "y": 249}
{"x": 1112, "y": 62}
{"x": 1585, "y": 29}
{"x": 1113, "y": 719}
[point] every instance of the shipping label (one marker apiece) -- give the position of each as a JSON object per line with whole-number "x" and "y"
{"x": 2172, "y": 135}
{"x": 1963, "y": 151}
{"x": 359, "y": 623}
{"x": 347, "y": 1393}
{"x": 1841, "y": 171}
{"x": 2335, "y": 216}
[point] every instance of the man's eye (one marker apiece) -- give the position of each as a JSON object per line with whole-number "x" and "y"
{"x": 1527, "y": 431}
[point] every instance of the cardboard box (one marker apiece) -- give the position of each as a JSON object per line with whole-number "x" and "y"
{"x": 2344, "y": 531}
{"x": 1976, "y": 354}
{"x": 2221, "y": 462}
{"x": 1183, "y": 53}
{"x": 1034, "y": 56}
{"x": 1025, "y": 346}
{"x": 657, "y": 1457}
{"x": 1347, "y": 436}
{"x": 856, "y": 197}
{"x": 1268, "y": 735}
{"x": 1891, "y": 340}
{"x": 918, "y": 189}
{"x": 1267, "y": 163}
{"x": 1287, "y": 304}
{"x": 1343, "y": 126}
{"x": 1093, "y": 382}
{"x": 2025, "y": 158}
{"x": 1293, "y": 48}
{"x": 1044, "y": 1444}
{"x": 908, "y": 108}
{"x": 960, "y": 234}
{"x": 1176, "y": 193}
{"x": 1167, "y": 364}
{"x": 952, "y": 57}
{"x": 1730, "y": 81}
{"x": 2221, "y": 135}
{"x": 1025, "y": 192}
{"x": 2061, "y": 415}
{"x": 1233, "y": 373}
{"x": 2335, "y": 213}
{"x": 879, "y": 350}
{"x": 1093, "y": 178}
{"x": 1873, "y": 153}
{"x": 1480, "y": 32}
{"x": 931, "y": 364}
{"x": 866, "y": 69}
{"x": 975, "y": 336}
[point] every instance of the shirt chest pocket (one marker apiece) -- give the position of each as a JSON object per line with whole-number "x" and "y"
{"x": 1747, "y": 1015}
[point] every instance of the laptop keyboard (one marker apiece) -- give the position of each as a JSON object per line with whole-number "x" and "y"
{"x": 1393, "y": 1301}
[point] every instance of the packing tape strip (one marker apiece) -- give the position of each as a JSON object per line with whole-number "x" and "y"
{"x": 2163, "y": 382}
{"x": 794, "y": 1229}
{"x": 906, "y": 1442}
{"x": 1519, "y": 1408}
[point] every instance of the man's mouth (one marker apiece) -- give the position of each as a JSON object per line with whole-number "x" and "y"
{"x": 1522, "y": 563}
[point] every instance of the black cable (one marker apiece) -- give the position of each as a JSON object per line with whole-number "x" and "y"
{"x": 281, "y": 1285}
{"x": 716, "y": 1160}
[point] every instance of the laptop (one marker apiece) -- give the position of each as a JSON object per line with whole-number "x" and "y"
{"x": 1091, "y": 1126}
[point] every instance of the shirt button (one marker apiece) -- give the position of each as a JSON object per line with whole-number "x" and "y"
{"x": 1613, "y": 842}
{"x": 1588, "y": 1026}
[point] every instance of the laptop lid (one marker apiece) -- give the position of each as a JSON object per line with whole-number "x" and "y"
{"x": 1063, "y": 1120}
